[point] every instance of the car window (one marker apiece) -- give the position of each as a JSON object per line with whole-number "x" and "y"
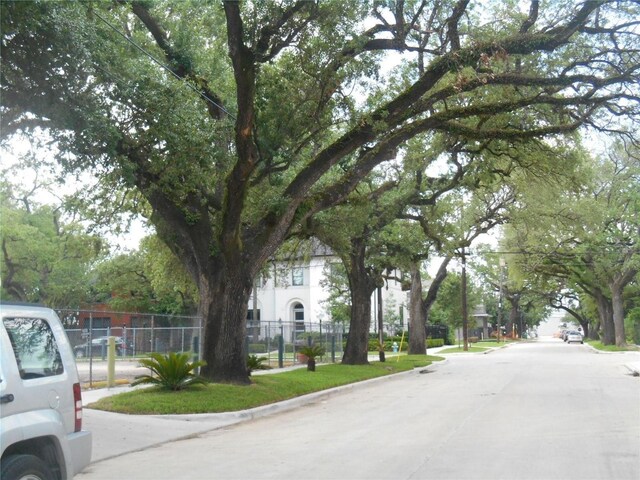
{"x": 34, "y": 347}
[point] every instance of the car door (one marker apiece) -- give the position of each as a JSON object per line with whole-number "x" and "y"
{"x": 36, "y": 380}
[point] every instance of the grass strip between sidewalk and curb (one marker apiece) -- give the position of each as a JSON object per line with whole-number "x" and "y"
{"x": 462, "y": 350}
{"x": 264, "y": 389}
{"x": 598, "y": 345}
{"x": 478, "y": 347}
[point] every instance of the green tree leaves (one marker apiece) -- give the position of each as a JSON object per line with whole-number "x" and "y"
{"x": 44, "y": 259}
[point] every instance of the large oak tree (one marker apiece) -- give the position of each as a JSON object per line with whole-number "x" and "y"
{"x": 235, "y": 121}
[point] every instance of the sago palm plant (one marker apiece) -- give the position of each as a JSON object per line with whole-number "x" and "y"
{"x": 255, "y": 362}
{"x": 173, "y": 371}
{"x": 311, "y": 352}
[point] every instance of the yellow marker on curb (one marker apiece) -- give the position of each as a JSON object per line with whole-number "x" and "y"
{"x": 400, "y": 350}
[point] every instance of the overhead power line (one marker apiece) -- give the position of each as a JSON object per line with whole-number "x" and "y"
{"x": 162, "y": 65}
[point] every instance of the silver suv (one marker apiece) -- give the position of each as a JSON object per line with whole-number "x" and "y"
{"x": 41, "y": 434}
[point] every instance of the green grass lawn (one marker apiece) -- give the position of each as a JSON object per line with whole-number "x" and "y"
{"x": 597, "y": 344}
{"x": 472, "y": 348}
{"x": 478, "y": 347}
{"x": 265, "y": 389}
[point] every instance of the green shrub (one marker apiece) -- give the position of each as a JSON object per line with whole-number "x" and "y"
{"x": 315, "y": 337}
{"x": 256, "y": 363}
{"x": 257, "y": 348}
{"x": 388, "y": 345}
{"x": 435, "y": 342}
{"x": 173, "y": 371}
{"x": 311, "y": 352}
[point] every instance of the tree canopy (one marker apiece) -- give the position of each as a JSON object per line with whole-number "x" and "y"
{"x": 236, "y": 121}
{"x": 585, "y": 235}
{"x": 44, "y": 258}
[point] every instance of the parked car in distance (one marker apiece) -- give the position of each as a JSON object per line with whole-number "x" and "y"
{"x": 41, "y": 436}
{"x": 574, "y": 336}
{"x": 99, "y": 346}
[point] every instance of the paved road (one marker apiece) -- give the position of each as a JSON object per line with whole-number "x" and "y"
{"x": 543, "y": 410}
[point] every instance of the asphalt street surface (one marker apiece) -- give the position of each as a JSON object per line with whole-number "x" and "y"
{"x": 540, "y": 410}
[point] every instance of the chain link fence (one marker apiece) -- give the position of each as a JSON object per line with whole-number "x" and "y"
{"x": 280, "y": 341}
{"x": 137, "y": 335}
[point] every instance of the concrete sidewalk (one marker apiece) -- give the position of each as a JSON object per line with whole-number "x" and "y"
{"x": 632, "y": 363}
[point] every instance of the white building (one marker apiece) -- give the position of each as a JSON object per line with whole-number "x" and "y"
{"x": 292, "y": 293}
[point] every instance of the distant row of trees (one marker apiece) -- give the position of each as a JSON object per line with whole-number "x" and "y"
{"x": 552, "y": 256}
{"x": 48, "y": 258}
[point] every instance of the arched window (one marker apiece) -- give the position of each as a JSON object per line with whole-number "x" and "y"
{"x": 298, "y": 317}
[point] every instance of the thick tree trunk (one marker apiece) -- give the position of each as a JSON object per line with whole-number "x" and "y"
{"x": 417, "y": 320}
{"x": 514, "y": 312}
{"x": 356, "y": 351}
{"x": 617, "y": 305}
{"x": 513, "y": 317}
{"x": 362, "y": 286}
{"x": 224, "y": 305}
{"x": 432, "y": 293}
{"x": 463, "y": 302}
{"x": 605, "y": 312}
{"x": 586, "y": 331}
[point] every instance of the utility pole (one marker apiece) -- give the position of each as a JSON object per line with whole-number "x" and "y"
{"x": 255, "y": 332}
{"x": 465, "y": 319}
{"x": 500, "y": 297}
{"x": 380, "y": 326}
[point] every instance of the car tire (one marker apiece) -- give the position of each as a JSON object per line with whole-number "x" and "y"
{"x": 18, "y": 467}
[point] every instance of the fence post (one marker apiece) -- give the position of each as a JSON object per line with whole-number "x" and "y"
{"x": 90, "y": 349}
{"x": 105, "y": 346}
{"x": 196, "y": 348}
{"x": 152, "y": 345}
{"x": 200, "y": 339}
{"x": 281, "y": 348}
{"x": 333, "y": 348}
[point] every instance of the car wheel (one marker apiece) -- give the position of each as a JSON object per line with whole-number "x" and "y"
{"x": 25, "y": 467}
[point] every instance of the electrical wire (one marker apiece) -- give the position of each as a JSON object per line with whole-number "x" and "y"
{"x": 162, "y": 65}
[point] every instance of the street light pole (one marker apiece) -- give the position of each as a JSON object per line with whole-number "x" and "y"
{"x": 500, "y": 297}
{"x": 381, "y": 355}
{"x": 465, "y": 320}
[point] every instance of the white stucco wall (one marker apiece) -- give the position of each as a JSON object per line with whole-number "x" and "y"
{"x": 277, "y": 296}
